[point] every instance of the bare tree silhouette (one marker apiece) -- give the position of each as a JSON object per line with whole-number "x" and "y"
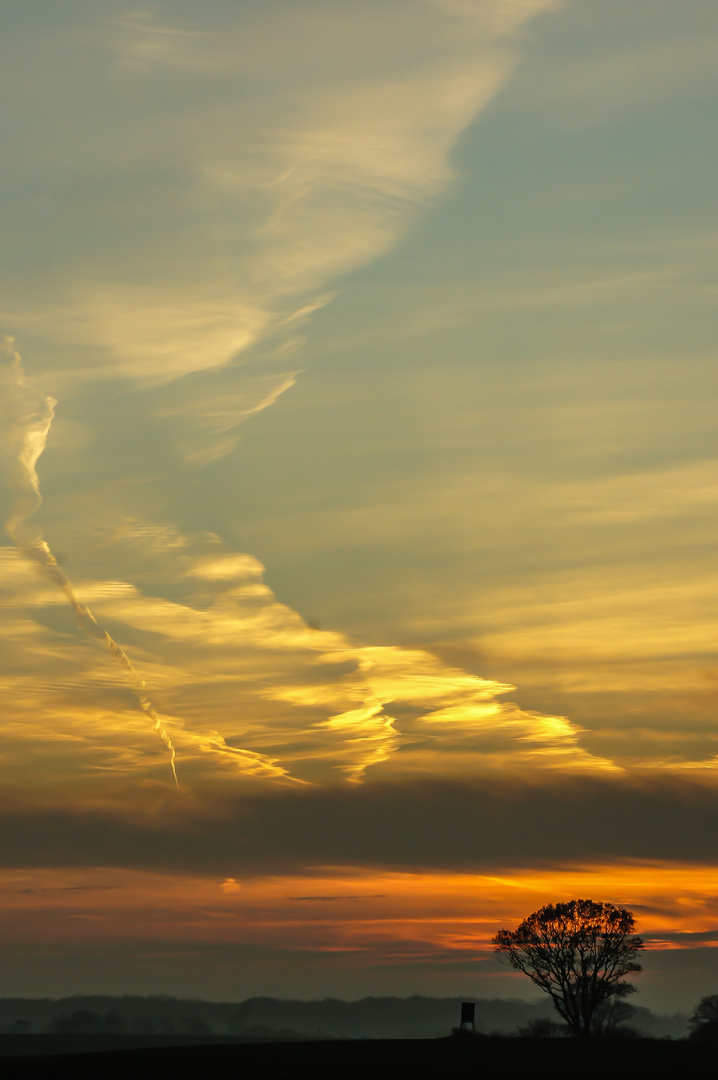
{"x": 578, "y": 953}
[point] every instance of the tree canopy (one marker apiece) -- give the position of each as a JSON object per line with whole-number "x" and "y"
{"x": 704, "y": 1019}
{"x": 579, "y": 953}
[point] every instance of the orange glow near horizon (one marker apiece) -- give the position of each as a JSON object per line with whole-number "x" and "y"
{"x": 396, "y": 917}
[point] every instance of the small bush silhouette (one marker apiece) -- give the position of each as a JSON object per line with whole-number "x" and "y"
{"x": 703, "y": 1020}
{"x": 542, "y": 1028}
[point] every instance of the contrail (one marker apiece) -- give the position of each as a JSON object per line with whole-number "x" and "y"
{"x": 29, "y": 416}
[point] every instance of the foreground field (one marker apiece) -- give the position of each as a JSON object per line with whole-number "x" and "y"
{"x": 79, "y": 1057}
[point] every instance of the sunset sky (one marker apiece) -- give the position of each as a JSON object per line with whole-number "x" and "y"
{"x": 358, "y": 473}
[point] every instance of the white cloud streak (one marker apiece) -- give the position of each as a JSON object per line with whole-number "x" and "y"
{"x": 31, "y": 415}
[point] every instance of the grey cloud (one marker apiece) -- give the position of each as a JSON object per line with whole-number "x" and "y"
{"x": 426, "y": 824}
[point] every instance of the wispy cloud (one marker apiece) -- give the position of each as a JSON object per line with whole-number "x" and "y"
{"x": 223, "y": 209}
{"x": 245, "y": 685}
{"x": 31, "y": 415}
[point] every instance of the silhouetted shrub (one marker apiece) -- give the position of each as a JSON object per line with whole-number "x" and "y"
{"x": 543, "y": 1028}
{"x": 144, "y": 1026}
{"x": 703, "y": 1021}
{"x": 85, "y": 1022}
{"x": 80, "y": 1022}
{"x": 707, "y": 1032}
{"x": 114, "y": 1022}
{"x": 192, "y": 1025}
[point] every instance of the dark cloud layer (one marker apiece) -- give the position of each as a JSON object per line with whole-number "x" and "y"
{"x": 459, "y": 826}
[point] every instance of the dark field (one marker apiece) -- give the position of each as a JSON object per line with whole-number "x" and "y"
{"x": 105, "y": 1058}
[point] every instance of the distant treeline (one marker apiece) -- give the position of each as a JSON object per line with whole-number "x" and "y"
{"x": 262, "y": 1017}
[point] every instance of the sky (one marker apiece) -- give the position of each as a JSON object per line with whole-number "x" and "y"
{"x": 358, "y": 477}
